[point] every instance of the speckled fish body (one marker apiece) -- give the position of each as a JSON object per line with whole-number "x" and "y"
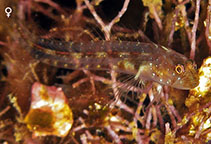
{"x": 146, "y": 61}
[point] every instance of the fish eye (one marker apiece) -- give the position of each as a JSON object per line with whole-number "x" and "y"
{"x": 179, "y": 69}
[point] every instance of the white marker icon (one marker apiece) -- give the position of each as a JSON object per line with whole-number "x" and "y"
{"x": 8, "y": 11}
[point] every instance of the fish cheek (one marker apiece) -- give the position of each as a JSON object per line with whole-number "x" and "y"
{"x": 189, "y": 80}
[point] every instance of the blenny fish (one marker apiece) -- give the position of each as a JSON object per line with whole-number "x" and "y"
{"x": 146, "y": 61}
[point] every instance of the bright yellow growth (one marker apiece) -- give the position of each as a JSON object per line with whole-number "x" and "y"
{"x": 202, "y": 90}
{"x": 50, "y": 113}
{"x": 199, "y": 96}
{"x": 154, "y": 5}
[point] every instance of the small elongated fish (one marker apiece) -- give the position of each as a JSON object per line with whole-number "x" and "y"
{"x": 146, "y": 61}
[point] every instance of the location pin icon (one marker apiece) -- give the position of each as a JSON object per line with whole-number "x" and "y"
{"x": 8, "y": 11}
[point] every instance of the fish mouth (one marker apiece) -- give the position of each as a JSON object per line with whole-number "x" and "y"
{"x": 178, "y": 85}
{"x": 186, "y": 83}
